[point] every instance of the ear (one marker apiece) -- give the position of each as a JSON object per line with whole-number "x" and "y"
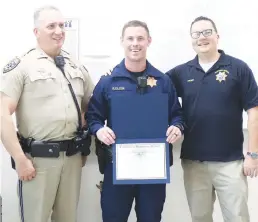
{"x": 149, "y": 40}
{"x": 121, "y": 40}
{"x": 35, "y": 31}
{"x": 218, "y": 36}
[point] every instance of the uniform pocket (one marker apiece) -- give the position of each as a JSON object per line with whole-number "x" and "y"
{"x": 77, "y": 80}
{"x": 42, "y": 84}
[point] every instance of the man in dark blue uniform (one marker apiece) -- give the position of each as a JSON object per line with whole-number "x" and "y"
{"x": 116, "y": 200}
{"x": 215, "y": 89}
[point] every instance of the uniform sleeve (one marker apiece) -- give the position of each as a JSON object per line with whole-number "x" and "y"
{"x": 98, "y": 108}
{"x": 12, "y": 81}
{"x": 249, "y": 90}
{"x": 173, "y": 75}
{"x": 88, "y": 88}
{"x": 175, "y": 110}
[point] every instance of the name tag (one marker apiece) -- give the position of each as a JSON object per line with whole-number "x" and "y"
{"x": 190, "y": 80}
{"x": 118, "y": 88}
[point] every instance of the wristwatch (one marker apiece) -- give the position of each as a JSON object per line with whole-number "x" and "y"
{"x": 252, "y": 155}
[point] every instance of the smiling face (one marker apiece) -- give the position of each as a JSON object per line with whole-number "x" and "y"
{"x": 135, "y": 41}
{"x": 204, "y": 37}
{"x": 49, "y": 31}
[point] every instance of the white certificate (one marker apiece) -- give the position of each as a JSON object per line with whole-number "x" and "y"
{"x": 141, "y": 161}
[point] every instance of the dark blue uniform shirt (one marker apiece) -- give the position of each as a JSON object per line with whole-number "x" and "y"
{"x": 99, "y": 105}
{"x": 213, "y": 105}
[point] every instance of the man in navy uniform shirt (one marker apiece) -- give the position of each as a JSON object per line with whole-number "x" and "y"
{"x": 215, "y": 89}
{"x": 116, "y": 200}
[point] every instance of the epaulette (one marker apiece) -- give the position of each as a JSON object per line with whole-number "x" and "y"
{"x": 109, "y": 72}
{"x": 29, "y": 51}
{"x": 85, "y": 68}
{"x": 11, "y": 64}
{"x": 26, "y": 53}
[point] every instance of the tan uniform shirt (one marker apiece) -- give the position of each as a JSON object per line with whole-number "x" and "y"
{"x": 45, "y": 107}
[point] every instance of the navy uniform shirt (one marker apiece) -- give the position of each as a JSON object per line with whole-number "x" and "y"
{"x": 213, "y": 105}
{"x": 122, "y": 81}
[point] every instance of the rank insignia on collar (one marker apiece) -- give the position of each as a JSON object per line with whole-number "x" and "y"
{"x": 151, "y": 82}
{"x": 11, "y": 65}
{"x": 221, "y": 76}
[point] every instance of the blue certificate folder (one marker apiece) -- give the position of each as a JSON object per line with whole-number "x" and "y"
{"x": 140, "y": 118}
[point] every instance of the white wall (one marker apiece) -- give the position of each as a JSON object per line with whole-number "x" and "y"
{"x": 101, "y": 22}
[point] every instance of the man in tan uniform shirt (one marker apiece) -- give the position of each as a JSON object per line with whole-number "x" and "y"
{"x": 37, "y": 91}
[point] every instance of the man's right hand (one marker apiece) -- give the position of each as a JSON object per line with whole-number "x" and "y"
{"x": 106, "y": 135}
{"x": 25, "y": 169}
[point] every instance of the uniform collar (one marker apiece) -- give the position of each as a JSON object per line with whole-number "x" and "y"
{"x": 41, "y": 54}
{"x": 65, "y": 54}
{"x": 222, "y": 61}
{"x": 121, "y": 70}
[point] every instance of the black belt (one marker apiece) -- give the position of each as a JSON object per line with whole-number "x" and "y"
{"x": 64, "y": 144}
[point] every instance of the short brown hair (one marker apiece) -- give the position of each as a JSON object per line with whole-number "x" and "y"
{"x": 135, "y": 23}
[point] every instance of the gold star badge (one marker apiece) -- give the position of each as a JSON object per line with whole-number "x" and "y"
{"x": 151, "y": 82}
{"x": 221, "y": 76}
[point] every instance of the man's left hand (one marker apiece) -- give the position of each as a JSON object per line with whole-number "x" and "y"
{"x": 173, "y": 134}
{"x": 250, "y": 167}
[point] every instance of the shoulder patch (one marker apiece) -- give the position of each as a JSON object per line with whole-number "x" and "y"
{"x": 11, "y": 65}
